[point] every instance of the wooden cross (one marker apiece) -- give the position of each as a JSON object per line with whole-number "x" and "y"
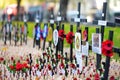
{"x": 107, "y": 64}
{"x": 79, "y": 20}
{"x": 30, "y": 62}
{"x": 102, "y": 23}
{"x": 59, "y": 19}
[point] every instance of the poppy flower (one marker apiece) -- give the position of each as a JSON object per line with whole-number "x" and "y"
{"x": 97, "y": 76}
{"x": 27, "y": 60}
{"x": 37, "y": 65}
{"x": 61, "y": 34}
{"x": 25, "y": 65}
{"x": 108, "y": 44}
{"x": 11, "y": 67}
{"x": 69, "y": 37}
{"x": 112, "y": 78}
{"x": 72, "y": 65}
{"x": 90, "y": 75}
{"x": 1, "y": 58}
{"x": 58, "y": 56}
{"x": 12, "y": 58}
{"x": 49, "y": 66}
{"x": 84, "y": 35}
{"x": 62, "y": 65}
{"x": 19, "y": 66}
{"x": 108, "y": 53}
{"x": 88, "y": 79}
{"x": 107, "y": 48}
{"x": 44, "y": 54}
{"x": 74, "y": 78}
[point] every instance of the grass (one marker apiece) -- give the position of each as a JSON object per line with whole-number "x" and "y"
{"x": 92, "y": 29}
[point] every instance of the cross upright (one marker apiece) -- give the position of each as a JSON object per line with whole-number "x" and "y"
{"x": 59, "y": 19}
{"x": 102, "y": 23}
{"x": 78, "y": 20}
{"x": 52, "y": 20}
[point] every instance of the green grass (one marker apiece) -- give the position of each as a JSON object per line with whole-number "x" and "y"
{"x": 92, "y": 29}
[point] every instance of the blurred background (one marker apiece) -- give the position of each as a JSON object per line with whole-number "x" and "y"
{"x": 91, "y": 9}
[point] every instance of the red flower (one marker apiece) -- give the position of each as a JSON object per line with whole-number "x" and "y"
{"x": 11, "y": 67}
{"x": 1, "y": 58}
{"x": 12, "y": 58}
{"x": 88, "y": 79}
{"x": 69, "y": 37}
{"x": 97, "y": 76}
{"x": 19, "y": 66}
{"x": 112, "y": 78}
{"x": 58, "y": 56}
{"x": 84, "y": 35}
{"x": 61, "y": 34}
{"x": 72, "y": 65}
{"x": 49, "y": 67}
{"x": 25, "y": 65}
{"x": 107, "y": 48}
{"x": 61, "y": 65}
{"x": 75, "y": 78}
{"x": 37, "y": 65}
{"x": 90, "y": 75}
{"x": 107, "y": 44}
{"x": 27, "y": 60}
{"x": 44, "y": 54}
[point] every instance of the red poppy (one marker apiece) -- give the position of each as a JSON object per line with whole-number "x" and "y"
{"x": 72, "y": 65}
{"x": 94, "y": 70}
{"x": 27, "y": 60}
{"x": 19, "y": 66}
{"x": 90, "y": 75}
{"x": 61, "y": 34}
{"x": 108, "y": 44}
{"x": 84, "y": 35}
{"x": 88, "y": 79}
{"x": 61, "y": 65}
{"x": 49, "y": 66}
{"x": 1, "y": 58}
{"x": 58, "y": 56}
{"x": 69, "y": 37}
{"x": 107, "y": 48}
{"x": 11, "y": 67}
{"x": 25, "y": 65}
{"x": 112, "y": 78}
{"x": 37, "y": 65}
{"x": 97, "y": 76}
{"x": 75, "y": 78}
{"x": 12, "y": 58}
{"x": 44, "y": 54}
